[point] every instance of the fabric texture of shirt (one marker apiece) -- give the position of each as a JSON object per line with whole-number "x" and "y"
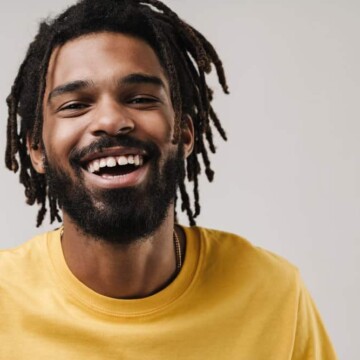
{"x": 231, "y": 300}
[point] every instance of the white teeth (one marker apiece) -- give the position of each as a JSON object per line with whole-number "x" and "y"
{"x": 102, "y": 163}
{"x": 130, "y": 159}
{"x": 96, "y": 165}
{"x": 137, "y": 160}
{"x": 110, "y": 162}
{"x": 122, "y": 160}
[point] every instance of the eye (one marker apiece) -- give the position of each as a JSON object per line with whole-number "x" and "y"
{"x": 143, "y": 100}
{"x": 74, "y": 106}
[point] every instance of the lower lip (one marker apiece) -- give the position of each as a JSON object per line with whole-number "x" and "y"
{"x": 113, "y": 182}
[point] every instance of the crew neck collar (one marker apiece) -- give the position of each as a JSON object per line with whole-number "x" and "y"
{"x": 157, "y": 302}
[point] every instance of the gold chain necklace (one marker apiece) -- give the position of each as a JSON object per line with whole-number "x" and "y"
{"x": 178, "y": 257}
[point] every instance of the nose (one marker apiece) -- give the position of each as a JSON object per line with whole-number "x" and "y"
{"x": 111, "y": 118}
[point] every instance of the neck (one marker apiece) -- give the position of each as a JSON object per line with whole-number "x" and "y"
{"x": 122, "y": 271}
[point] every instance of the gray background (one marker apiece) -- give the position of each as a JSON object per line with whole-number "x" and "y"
{"x": 288, "y": 179}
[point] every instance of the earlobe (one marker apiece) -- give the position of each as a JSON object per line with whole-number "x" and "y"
{"x": 37, "y": 156}
{"x": 187, "y": 135}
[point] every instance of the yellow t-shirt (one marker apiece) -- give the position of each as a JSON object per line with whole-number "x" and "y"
{"x": 231, "y": 300}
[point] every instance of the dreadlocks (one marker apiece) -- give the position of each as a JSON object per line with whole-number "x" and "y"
{"x": 184, "y": 53}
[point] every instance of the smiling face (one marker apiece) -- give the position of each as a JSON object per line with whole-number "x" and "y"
{"x": 107, "y": 134}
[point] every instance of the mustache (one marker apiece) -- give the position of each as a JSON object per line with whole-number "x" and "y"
{"x": 103, "y": 143}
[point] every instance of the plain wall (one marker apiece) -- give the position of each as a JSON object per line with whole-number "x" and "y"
{"x": 288, "y": 178}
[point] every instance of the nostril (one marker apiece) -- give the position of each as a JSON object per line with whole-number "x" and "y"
{"x": 100, "y": 133}
{"x": 124, "y": 130}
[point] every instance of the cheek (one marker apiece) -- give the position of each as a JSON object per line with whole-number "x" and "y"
{"x": 160, "y": 127}
{"x": 59, "y": 138}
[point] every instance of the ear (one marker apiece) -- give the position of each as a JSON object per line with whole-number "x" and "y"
{"x": 36, "y": 155}
{"x": 187, "y": 135}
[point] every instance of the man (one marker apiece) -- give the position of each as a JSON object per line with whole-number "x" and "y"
{"x": 115, "y": 113}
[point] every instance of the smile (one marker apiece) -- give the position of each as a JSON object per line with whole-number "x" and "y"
{"x": 116, "y": 167}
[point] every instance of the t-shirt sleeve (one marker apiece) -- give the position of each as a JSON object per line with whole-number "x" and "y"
{"x": 311, "y": 340}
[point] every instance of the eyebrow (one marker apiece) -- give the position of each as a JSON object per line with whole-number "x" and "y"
{"x": 70, "y": 87}
{"x": 139, "y": 78}
{"x": 77, "y": 85}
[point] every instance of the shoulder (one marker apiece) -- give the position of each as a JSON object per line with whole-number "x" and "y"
{"x": 21, "y": 260}
{"x": 236, "y": 247}
{"x": 26, "y": 278}
{"x": 25, "y": 270}
{"x": 238, "y": 256}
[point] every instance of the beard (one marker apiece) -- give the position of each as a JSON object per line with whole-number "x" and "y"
{"x": 123, "y": 215}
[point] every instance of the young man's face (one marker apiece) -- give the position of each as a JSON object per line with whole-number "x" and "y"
{"x": 107, "y": 102}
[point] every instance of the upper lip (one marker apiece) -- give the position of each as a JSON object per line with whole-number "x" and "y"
{"x": 113, "y": 151}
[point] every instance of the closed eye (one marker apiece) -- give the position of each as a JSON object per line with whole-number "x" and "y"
{"x": 74, "y": 106}
{"x": 143, "y": 100}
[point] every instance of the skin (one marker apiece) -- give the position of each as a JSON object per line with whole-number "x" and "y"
{"x": 107, "y": 105}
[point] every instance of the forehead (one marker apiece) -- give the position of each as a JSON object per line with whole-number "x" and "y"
{"x": 102, "y": 56}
